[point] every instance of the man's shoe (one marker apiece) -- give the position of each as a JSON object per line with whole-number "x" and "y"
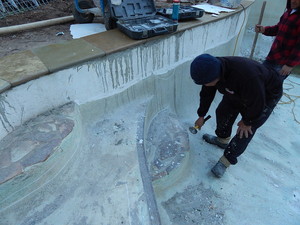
{"x": 221, "y": 142}
{"x": 219, "y": 169}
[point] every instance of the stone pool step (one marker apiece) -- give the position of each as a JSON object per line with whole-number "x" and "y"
{"x": 34, "y": 141}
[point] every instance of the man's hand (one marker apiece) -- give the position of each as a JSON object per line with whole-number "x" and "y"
{"x": 243, "y": 130}
{"x": 285, "y": 70}
{"x": 199, "y": 122}
{"x": 259, "y": 28}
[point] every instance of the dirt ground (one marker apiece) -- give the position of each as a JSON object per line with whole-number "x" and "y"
{"x": 15, "y": 42}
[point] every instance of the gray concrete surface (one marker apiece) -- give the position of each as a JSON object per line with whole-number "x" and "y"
{"x": 102, "y": 171}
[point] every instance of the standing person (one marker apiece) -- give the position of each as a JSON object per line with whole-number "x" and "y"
{"x": 249, "y": 89}
{"x": 284, "y": 54}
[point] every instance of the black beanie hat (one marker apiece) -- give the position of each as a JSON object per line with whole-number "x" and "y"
{"x": 205, "y": 68}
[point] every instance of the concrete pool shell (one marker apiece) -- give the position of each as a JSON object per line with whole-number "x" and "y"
{"x": 100, "y": 172}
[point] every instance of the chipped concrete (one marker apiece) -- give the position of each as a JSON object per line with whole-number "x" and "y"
{"x": 167, "y": 145}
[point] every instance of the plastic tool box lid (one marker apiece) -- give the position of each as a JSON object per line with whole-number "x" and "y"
{"x": 132, "y": 9}
{"x": 185, "y": 12}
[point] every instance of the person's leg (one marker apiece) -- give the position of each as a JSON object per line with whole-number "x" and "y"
{"x": 238, "y": 145}
{"x": 226, "y": 114}
{"x": 233, "y": 150}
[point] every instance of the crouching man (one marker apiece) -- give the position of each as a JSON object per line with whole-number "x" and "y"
{"x": 248, "y": 88}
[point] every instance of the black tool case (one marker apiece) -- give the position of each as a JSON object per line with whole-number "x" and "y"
{"x": 185, "y": 12}
{"x": 138, "y": 19}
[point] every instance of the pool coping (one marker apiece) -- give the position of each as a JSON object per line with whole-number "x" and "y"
{"x": 24, "y": 66}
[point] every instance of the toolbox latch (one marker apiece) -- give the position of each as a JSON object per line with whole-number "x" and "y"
{"x": 160, "y": 30}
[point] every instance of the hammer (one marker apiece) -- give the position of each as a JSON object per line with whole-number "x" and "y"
{"x": 194, "y": 129}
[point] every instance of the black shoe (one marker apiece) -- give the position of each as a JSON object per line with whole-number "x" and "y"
{"x": 211, "y": 139}
{"x": 219, "y": 169}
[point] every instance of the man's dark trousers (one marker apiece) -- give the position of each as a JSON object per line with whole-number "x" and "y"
{"x": 226, "y": 114}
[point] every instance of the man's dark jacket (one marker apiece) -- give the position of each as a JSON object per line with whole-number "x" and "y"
{"x": 247, "y": 84}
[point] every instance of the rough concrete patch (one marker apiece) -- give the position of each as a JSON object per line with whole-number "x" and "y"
{"x": 195, "y": 205}
{"x": 167, "y": 144}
